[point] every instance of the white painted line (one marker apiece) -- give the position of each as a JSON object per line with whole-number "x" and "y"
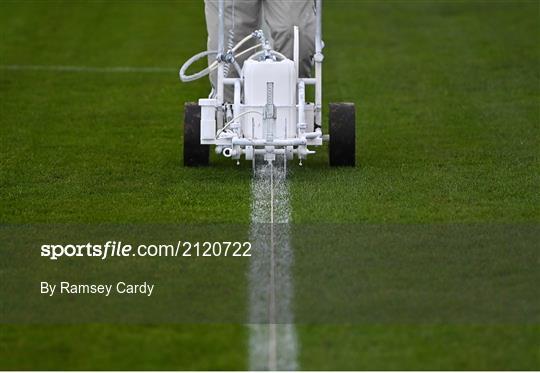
{"x": 272, "y": 344}
{"x": 272, "y": 333}
{"x": 89, "y": 69}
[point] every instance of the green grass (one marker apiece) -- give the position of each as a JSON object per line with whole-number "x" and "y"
{"x": 421, "y": 347}
{"x": 447, "y": 97}
{"x": 117, "y": 347}
{"x": 104, "y": 147}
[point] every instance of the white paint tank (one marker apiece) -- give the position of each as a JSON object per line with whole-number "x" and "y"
{"x": 256, "y": 76}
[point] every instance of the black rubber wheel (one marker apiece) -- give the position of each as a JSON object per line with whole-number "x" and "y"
{"x": 195, "y": 154}
{"x": 342, "y": 120}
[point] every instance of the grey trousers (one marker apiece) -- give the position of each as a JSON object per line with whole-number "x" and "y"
{"x": 242, "y": 17}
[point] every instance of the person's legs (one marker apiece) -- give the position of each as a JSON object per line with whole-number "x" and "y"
{"x": 281, "y": 16}
{"x": 242, "y": 17}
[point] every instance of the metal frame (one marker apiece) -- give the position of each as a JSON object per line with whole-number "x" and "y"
{"x": 237, "y": 146}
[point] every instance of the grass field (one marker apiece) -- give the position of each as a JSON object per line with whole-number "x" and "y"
{"x": 447, "y": 97}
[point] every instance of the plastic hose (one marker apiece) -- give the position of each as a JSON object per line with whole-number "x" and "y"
{"x": 214, "y": 65}
{"x": 200, "y": 74}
